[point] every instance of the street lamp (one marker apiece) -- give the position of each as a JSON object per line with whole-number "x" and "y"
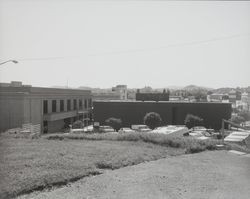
{"x": 12, "y": 60}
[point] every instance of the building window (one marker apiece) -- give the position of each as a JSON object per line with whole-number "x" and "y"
{"x": 53, "y": 106}
{"x": 75, "y": 104}
{"x": 45, "y": 106}
{"x": 85, "y": 103}
{"x": 85, "y": 115}
{"x": 61, "y": 105}
{"x": 80, "y": 104}
{"x": 90, "y": 103}
{"x": 68, "y": 105}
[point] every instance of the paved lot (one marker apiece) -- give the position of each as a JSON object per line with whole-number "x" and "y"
{"x": 218, "y": 174}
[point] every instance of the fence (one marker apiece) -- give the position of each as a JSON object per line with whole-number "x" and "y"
{"x": 30, "y": 128}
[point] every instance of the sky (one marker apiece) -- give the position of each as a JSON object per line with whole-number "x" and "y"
{"x": 137, "y": 43}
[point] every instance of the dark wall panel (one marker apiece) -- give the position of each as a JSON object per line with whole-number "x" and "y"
{"x": 171, "y": 113}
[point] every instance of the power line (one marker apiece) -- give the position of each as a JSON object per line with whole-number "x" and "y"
{"x": 41, "y": 58}
{"x": 173, "y": 45}
{"x": 191, "y": 43}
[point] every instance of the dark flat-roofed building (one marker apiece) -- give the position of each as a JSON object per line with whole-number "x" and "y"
{"x": 51, "y": 108}
{"x": 152, "y": 97}
{"x": 174, "y": 113}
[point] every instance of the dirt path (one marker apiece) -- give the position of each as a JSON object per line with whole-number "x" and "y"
{"x": 218, "y": 174}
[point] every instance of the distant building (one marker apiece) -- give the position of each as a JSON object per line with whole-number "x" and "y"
{"x": 191, "y": 98}
{"x": 132, "y": 112}
{"x": 218, "y": 97}
{"x": 106, "y": 96}
{"x": 155, "y": 96}
{"x": 245, "y": 98}
{"x": 118, "y": 92}
{"x": 234, "y": 95}
{"x": 51, "y": 108}
{"x": 131, "y": 94}
{"x": 122, "y": 91}
{"x": 152, "y": 97}
{"x": 175, "y": 98}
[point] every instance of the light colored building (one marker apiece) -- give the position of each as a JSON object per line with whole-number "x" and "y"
{"x": 122, "y": 91}
{"x": 51, "y": 108}
{"x": 175, "y": 98}
{"x": 245, "y": 98}
{"x": 106, "y": 96}
{"x": 235, "y": 98}
{"x": 218, "y": 97}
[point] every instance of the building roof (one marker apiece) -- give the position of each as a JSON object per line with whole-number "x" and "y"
{"x": 19, "y": 88}
{"x": 169, "y": 102}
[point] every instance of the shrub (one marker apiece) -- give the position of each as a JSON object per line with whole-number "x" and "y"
{"x": 245, "y": 115}
{"x": 152, "y": 120}
{"x": 190, "y": 144}
{"x": 237, "y": 119}
{"x": 192, "y": 121}
{"x": 115, "y": 123}
{"x": 77, "y": 124}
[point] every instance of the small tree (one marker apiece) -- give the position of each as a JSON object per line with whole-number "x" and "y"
{"x": 237, "y": 119}
{"x": 152, "y": 120}
{"x": 192, "y": 121}
{"x": 115, "y": 123}
{"x": 245, "y": 114}
{"x": 77, "y": 124}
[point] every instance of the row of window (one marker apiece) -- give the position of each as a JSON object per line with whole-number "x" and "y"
{"x": 79, "y": 105}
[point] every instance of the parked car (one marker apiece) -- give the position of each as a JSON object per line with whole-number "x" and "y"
{"x": 199, "y": 135}
{"x": 200, "y": 128}
{"x": 88, "y": 128}
{"x": 140, "y": 128}
{"x": 126, "y": 130}
{"x": 200, "y": 132}
{"x": 106, "y": 129}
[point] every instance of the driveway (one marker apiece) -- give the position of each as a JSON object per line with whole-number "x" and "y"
{"x": 214, "y": 174}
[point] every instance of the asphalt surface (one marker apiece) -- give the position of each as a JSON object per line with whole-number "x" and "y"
{"x": 216, "y": 174}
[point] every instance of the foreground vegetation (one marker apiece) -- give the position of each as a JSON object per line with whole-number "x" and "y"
{"x": 34, "y": 164}
{"x": 189, "y": 144}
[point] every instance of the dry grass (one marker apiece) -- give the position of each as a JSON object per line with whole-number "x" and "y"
{"x": 191, "y": 145}
{"x": 237, "y": 147}
{"x": 33, "y": 164}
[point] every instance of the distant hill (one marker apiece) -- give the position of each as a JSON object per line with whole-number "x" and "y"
{"x": 228, "y": 89}
{"x": 172, "y": 87}
{"x": 196, "y": 88}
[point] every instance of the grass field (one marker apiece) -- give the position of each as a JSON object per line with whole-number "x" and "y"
{"x": 191, "y": 145}
{"x": 34, "y": 164}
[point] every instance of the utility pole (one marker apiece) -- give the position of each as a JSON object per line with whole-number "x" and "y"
{"x": 222, "y": 130}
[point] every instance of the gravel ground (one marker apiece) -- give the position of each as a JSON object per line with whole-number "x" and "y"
{"x": 214, "y": 174}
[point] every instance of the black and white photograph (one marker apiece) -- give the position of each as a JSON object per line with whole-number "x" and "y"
{"x": 124, "y": 99}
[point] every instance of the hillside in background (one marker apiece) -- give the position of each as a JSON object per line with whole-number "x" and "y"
{"x": 196, "y": 88}
{"x": 190, "y": 89}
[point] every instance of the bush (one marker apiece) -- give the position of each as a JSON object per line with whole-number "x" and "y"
{"x": 77, "y": 124}
{"x": 192, "y": 121}
{"x": 190, "y": 144}
{"x": 152, "y": 120}
{"x": 115, "y": 123}
{"x": 237, "y": 119}
{"x": 245, "y": 115}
